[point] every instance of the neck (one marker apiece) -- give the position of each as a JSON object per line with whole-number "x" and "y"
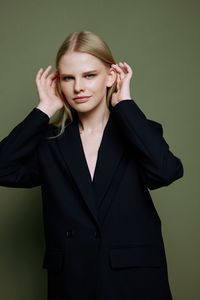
{"x": 94, "y": 120}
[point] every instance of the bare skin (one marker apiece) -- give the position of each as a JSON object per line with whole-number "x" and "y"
{"x": 93, "y": 114}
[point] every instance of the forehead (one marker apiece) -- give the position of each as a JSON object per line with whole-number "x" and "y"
{"x": 79, "y": 62}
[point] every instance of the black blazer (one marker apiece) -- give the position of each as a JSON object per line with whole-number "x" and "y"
{"x": 103, "y": 237}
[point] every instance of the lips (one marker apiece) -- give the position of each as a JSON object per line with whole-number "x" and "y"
{"x": 81, "y": 99}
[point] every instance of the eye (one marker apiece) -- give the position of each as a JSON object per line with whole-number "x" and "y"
{"x": 66, "y": 78}
{"x": 90, "y": 75}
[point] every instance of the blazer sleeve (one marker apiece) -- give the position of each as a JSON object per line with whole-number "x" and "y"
{"x": 159, "y": 166}
{"x": 19, "y": 166}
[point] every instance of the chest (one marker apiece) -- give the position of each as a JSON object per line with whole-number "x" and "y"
{"x": 91, "y": 144}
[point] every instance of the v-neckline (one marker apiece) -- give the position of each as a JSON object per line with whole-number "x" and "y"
{"x": 99, "y": 149}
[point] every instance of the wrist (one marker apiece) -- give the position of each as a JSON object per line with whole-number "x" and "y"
{"x": 46, "y": 110}
{"x": 124, "y": 99}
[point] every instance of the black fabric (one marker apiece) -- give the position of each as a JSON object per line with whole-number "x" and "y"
{"x": 103, "y": 237}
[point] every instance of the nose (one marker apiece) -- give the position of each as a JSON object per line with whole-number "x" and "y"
{"x": 78, "y": 85}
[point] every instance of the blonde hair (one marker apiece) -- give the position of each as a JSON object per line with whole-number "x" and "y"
{"x": 87, "y": 42}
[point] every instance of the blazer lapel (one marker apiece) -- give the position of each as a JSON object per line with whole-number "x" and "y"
{"x": 109, "y": 154}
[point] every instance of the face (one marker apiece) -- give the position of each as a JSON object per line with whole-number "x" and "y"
{"x": 82, "y": 74}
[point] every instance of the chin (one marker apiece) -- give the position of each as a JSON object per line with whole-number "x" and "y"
{"x": 81, "y": 107}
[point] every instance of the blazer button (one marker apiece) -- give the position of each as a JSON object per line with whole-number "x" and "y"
{"x": 69, "y": 233}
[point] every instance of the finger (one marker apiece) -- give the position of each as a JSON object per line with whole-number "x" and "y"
{"x": 45, "y": 73}
{"x": 118, "y": 82}
{"x": 53, "y": 82}
{"x": 128, "y": 68}
{"x": 124, "y": 67}
{"x": 38, "y": 75}
{"x": 51, "y": 77}
{"x": 119, "y": 70}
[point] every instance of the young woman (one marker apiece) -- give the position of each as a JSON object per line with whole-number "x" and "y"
{"x": 95, "y": 163}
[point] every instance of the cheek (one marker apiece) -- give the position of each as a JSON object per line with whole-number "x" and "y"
{"x": 65, "y": 88}
{"x": 97, "y": 85}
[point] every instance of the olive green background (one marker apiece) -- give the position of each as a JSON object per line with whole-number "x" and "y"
{"x": 161, "y": 42}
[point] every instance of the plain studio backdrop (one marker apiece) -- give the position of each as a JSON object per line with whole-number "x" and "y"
{"x": 160, "y": 40}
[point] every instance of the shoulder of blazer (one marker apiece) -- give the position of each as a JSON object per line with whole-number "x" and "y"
{"x": 156, "y": 125}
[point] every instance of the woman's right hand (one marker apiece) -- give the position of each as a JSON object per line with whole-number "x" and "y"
{"x": 50, "y": 102}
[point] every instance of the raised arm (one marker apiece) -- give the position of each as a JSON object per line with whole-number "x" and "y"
{"x": 159, "y": 166}
{"x": 19, "y": 165}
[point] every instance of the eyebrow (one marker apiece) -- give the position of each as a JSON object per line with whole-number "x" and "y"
{"x": 92, "y": 71}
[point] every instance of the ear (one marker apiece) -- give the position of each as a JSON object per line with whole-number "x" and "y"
{"x": 112, "y": 77}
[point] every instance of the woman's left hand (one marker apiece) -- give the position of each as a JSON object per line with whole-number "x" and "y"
{"x": 124, "y": 74}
